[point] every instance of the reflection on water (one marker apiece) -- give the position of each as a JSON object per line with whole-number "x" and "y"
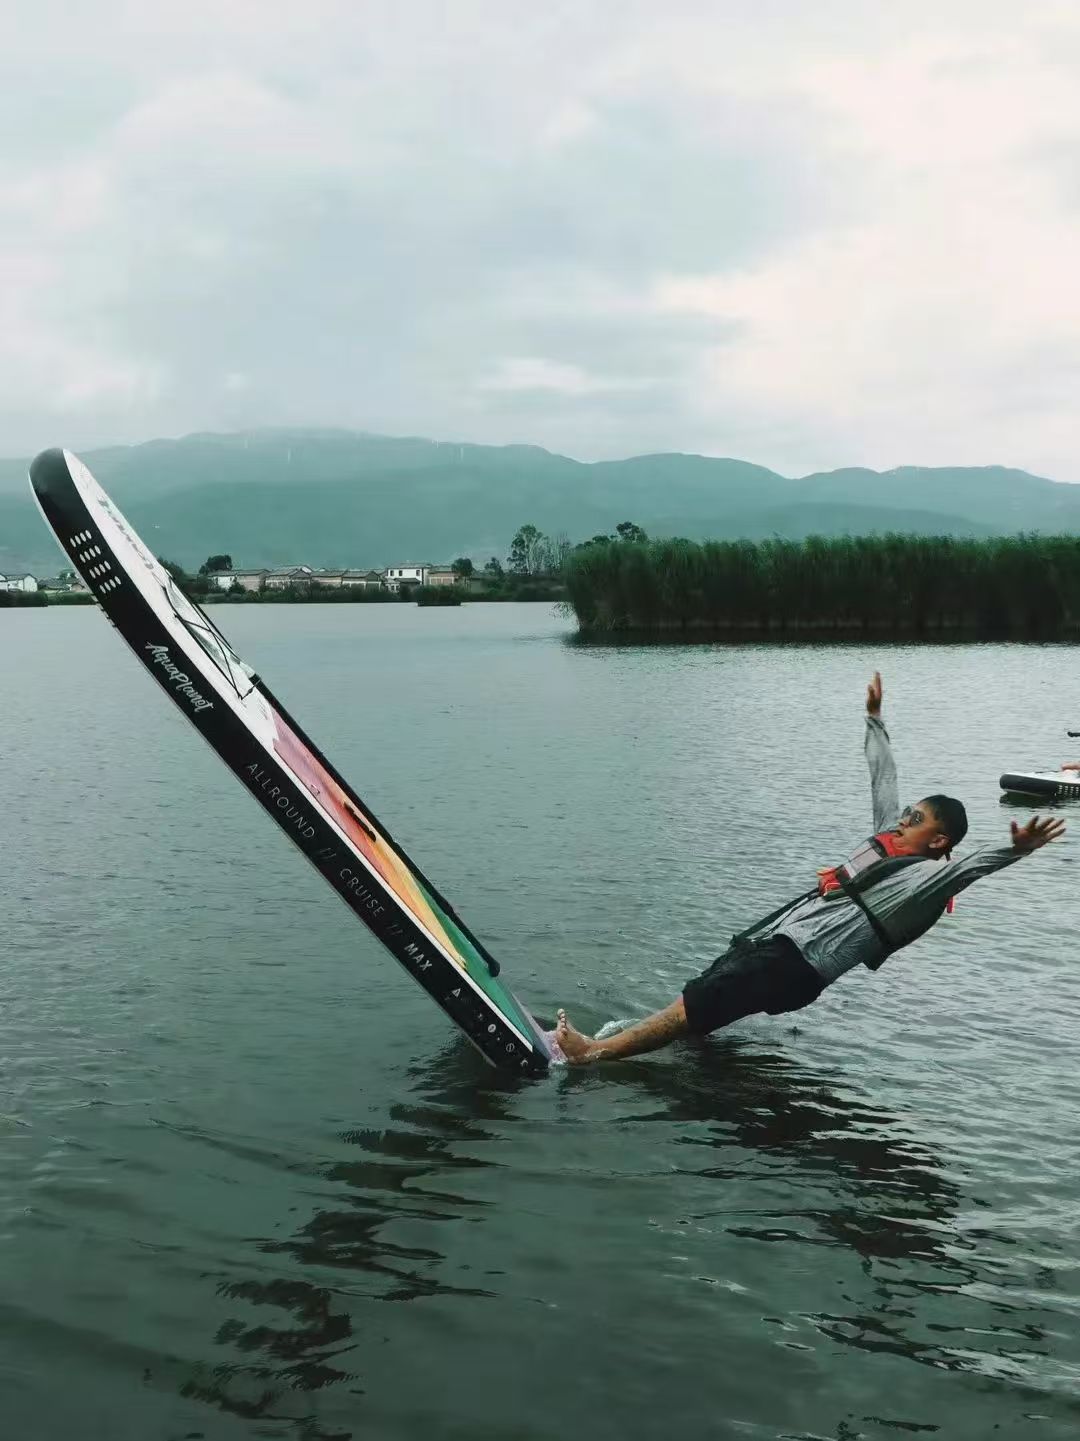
{"x": 742, "y": 1118}
{"x": 407, "y": 1171}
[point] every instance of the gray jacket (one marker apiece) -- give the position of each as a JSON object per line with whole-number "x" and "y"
{"x": 833, "y": 934}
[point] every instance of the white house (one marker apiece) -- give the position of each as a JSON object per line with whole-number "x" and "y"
{"x": 396, "y": 576}
{"x": 18, "y": 582}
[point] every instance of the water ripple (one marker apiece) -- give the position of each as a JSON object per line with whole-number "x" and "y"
{"x": 250, "y": 1186}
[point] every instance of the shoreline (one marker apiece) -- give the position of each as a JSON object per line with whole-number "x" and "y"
{"x": 816, "y": 635}
{"x": 43, "y": 600}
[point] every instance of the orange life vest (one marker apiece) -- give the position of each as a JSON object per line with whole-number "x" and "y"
{"x": 877, "y": 848}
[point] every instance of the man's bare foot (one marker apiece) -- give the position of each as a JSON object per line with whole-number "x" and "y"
{"x": 577, "y": 1049}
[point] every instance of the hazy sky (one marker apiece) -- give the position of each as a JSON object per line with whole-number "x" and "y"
{"x": 807, "y": 235}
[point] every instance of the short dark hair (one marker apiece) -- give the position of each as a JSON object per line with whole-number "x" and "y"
{"x": 951, "y": 815}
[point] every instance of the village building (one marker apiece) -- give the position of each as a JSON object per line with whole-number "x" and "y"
{"x": 287, "y": 575}
{"x": 363, "y": 579}
{"x": 25, "y": 583}
{"x": 441, "y": 575}
{"x": 251, "y": 580}
{"x": 396, "y": 576}
{"x": 260, "y": 578}
{"x": 62, "y": 582}
{"x": 336, "y": 579}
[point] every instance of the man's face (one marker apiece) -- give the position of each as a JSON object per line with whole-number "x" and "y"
{"x": 919, "y": 831}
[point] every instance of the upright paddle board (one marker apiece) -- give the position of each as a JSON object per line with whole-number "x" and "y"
{"x": 1047, "y": 785}
{"x": 232, "y": 709}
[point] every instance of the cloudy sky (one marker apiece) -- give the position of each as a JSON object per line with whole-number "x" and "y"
{"x": 806, "y": 235}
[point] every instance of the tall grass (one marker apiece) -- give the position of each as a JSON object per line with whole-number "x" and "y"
{"x": 1024, "y": 586}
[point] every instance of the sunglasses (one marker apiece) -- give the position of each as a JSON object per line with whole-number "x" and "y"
{"x": 912, "y": 816}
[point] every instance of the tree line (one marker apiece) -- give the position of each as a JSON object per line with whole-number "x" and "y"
{"x": 535, "y": 567}
{"x": 1025, "y": 586}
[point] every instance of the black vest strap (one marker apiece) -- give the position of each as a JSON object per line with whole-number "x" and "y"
{"x": 875, "y": 924}
{"x": 772, "y": 916}
{"x": 851, "y": 888}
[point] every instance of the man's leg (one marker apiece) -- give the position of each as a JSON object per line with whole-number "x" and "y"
{"x": 770, "y": 976}
{"x": 648, "y": 1035}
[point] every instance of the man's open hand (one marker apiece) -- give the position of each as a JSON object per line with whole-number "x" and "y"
{"x": 873, "y": 695}
{"x": 1036, "y": 833}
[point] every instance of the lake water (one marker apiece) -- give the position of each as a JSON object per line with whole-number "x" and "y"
{"x": 253, "y": 1185}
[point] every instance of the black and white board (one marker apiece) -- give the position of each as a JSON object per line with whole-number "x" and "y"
{"x": 1042, "y": 785}
{"x": 234, "y": 711}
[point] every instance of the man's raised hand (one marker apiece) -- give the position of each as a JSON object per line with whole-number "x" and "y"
{"x": 1036, "y": 833}
{"x": 873, "y": 695}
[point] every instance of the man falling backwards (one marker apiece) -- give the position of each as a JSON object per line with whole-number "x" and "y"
{"x": 886, "y": 895}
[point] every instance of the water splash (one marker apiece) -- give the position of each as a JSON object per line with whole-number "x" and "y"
{"x": 612, "y": 1028}
{"x": 558, "y": 1057}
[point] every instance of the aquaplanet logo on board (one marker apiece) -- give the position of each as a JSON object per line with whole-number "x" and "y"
{"x": 179, "y": 679}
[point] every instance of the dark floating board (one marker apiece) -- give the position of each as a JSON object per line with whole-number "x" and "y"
{"x": 1043, "y": 785}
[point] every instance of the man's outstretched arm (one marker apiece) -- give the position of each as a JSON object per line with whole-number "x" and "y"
{"x": 884, "y": 792}
{"x": 935, "y": 884}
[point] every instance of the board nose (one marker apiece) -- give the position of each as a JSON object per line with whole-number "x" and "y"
{"x": 48, "y": 470}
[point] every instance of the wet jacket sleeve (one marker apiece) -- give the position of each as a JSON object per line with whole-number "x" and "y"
{"x": 935, "y": 882}
{"x": 911, "y": 901}
{"x": 883, "y": 787}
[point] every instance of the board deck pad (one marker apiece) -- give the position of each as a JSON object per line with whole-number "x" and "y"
{"x": 233, "y": 709}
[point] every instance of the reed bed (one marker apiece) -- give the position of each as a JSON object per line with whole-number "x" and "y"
{"x": 1024, "y": 586}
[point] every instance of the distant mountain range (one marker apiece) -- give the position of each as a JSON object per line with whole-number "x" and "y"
{"x": 337, "y": 498}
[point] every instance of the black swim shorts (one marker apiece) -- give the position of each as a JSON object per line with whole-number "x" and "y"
{"x": 752, "y": 976}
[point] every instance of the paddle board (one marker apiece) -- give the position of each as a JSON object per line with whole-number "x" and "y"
{"x": 1047, "y": 785}
{"x": 232, "y": 708}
